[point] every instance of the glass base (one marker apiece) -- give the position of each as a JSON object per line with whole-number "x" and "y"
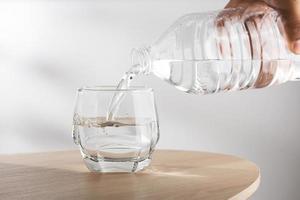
{"x": 115, "y": 166}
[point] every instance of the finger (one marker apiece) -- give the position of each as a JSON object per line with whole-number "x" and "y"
{"x": 293, "y": 30}
{"x": 290, "y": 10}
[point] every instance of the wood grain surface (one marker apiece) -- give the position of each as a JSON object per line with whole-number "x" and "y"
{"x": 172, "y": 175}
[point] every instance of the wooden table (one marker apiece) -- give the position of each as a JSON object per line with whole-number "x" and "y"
{"x": 172, "y": 175}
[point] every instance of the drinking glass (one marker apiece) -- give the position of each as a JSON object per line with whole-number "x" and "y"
{"x": 122, "y": 143}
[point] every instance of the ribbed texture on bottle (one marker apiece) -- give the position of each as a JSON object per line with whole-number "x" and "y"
{"x": 223, "y": 51}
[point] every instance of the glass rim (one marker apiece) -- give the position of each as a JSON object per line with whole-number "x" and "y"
{"x": 113, "y": 88}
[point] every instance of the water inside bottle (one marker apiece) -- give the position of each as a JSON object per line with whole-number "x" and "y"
{"x": 211, "y": 76}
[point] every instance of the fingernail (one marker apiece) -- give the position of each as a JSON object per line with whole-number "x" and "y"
{"x": 296, "y": 47}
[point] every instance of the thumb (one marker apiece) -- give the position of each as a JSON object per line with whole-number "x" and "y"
{"x": 292, "y": 27}
{"x": 293, "y": 31}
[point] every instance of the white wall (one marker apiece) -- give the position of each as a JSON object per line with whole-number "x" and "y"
{"x": 49, "y": 48}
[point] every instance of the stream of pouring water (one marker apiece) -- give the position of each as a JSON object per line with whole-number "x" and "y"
{"x": 119, "y": 95}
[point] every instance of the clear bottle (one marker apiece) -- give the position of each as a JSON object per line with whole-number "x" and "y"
{"x": 205, "y": 53}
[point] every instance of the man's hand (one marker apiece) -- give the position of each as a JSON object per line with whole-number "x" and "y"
{"x": 289, "y": 9}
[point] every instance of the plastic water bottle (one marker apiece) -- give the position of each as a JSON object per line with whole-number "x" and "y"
{"x": 229, "y": 50}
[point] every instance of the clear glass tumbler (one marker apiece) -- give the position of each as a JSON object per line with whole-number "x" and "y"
{"x": 121, "y": 144}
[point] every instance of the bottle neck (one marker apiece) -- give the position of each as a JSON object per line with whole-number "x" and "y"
{"x": 140, "y": 57}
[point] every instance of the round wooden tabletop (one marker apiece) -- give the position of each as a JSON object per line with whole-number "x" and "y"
{"x": 172, "y": 175}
